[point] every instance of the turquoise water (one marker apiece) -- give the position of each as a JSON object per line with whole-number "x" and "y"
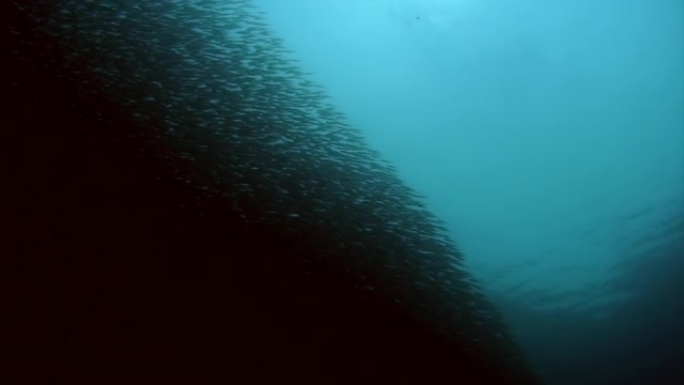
{"x": 549, "y": 136}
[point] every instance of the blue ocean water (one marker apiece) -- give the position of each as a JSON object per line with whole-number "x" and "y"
{"x": 549, "y": 136}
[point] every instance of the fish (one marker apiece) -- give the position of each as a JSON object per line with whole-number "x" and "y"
{"x": 182, "y": 203}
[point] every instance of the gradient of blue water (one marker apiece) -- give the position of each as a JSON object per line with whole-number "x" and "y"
{"x": 550, "y": 137}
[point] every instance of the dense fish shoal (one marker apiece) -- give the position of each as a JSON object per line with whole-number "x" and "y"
{"x": 179, "y": 204}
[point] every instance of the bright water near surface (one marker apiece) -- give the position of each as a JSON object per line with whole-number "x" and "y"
{"x": 549, "y": 135}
